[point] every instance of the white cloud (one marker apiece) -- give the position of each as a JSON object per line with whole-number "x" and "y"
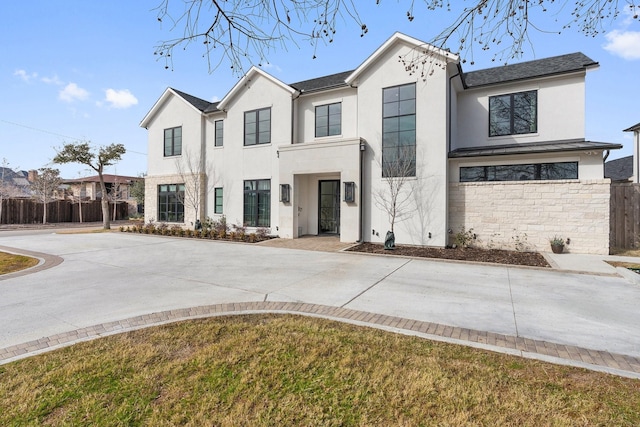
{"x": 25, "y": 76}
{"x": 72, "y": 92}
{"x": 52, "y": 80}
{"x": 120, "y": 98}
{"x": 625, "y": 44}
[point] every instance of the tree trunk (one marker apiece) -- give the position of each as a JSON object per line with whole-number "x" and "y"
{"x": 106, "y": 223}
{"x": 44, "y": 212}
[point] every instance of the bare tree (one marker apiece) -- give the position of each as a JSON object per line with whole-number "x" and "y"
{"x": 116, "y": 193}
{"x": 395, "y": 195}
{"x": 247, "y": 31}
{"x": 79, "y": 196}
{"x": 83, "y": 154}
{"x": 45, "y": 186}
{"x": 7, "y": 188}
{"x": 136, "y": 190}
{"x": 199, "y": 179}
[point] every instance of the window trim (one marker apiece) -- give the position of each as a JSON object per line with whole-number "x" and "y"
{"x": 218, "y": 207}
{"x": 177, "y": 203}
{"x": 218, "y": 138}
{"x": 537, "y": 172}
{"x": 412, "y": 172}
{"x": 173, "y": 142}
{"x": 329, "y": 124}
{"x": 256, "y": 135}
{"x": 256, "y": 220}
{"x": 512, "y": 115}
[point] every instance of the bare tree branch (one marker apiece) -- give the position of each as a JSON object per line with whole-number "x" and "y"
{"x": 243, "y": 32}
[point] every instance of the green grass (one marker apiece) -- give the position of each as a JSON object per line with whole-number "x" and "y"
{"x": 284, "y": 370}
{"x": 10, "y": 263}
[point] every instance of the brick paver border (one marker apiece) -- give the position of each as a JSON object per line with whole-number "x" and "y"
{"x": 557, "y": 353}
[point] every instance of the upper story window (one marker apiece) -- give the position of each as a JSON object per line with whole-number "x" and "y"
{"x": 399, "y": 131}
{"x": 219, "y": 133}
{"x": 513, "y": 114}
{"x": 257, "y": 127}
{"x": 173, "y": 141}
{"x": 329, "y": 119}
{"x": 521, "y": 172}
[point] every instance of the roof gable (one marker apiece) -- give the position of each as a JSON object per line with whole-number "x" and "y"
{"x": 246, "y": 80}
{"x": 633, "y": 128}
{"x": 556, "y": 65}
{"x": 199, "y": 105}
{"x": 393, "y": 40}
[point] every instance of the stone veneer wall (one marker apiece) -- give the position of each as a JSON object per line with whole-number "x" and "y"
{"x": 501, "y": 213}
{"x": 151, "y": 184}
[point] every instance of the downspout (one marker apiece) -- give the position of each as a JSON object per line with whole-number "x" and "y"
{"x": 360, "y": 212}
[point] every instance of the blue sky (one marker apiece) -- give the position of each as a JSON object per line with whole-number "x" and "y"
{"x": 85, "y": 70}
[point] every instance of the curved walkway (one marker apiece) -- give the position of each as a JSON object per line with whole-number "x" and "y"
{"x": 556, "y": 353}
{"x": 598, "y": 360}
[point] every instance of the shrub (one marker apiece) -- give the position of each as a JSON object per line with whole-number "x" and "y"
{"x": 464, "y": 238}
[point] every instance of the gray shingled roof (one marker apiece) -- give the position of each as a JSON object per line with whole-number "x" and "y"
{"x": 526, "y": 70}
{"x": 619, "y": 169}
{"x": 322, "y": 83}
{"x": 199, "y": 103}
{"x": 531, "y": 148}
{"x": 633, "y": 128}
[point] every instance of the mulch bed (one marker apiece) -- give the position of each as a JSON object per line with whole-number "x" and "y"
{"x": 497, "y": 256}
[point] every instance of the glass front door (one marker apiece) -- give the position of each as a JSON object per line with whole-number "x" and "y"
{"x": 329, "y": 207}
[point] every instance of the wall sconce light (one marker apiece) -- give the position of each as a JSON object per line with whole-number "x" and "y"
{"x": 349, "y": 192}
{"x": 285, "y": 193}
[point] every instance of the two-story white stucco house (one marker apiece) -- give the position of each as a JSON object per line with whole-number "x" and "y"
{"x": 501, "y": 151}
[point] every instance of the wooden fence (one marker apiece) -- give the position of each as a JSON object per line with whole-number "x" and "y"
{"x": 625, "y": 216}
{"x": 28, "y": 211}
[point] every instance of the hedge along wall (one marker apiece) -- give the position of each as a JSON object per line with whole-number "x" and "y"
{"x": 503, "y": 213}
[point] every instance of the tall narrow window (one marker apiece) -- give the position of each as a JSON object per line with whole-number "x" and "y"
{"x": 257, "y": 203}
{"x": 329, "y": 119}
{"x": 219, "y": 133}
{"x": 513, "y": 114}
{"x": 257, "y": 127}
{"x": 170, "y": 202}
{"x": 173, "y": 141}
{"x": 399, "y": 131}
{"x": 218, "y": 200}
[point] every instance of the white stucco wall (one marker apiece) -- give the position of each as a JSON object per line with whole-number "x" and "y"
{"x": 431, "y": 151}
{"x": 561, "y": 112}
{"x": 305, "y": 114}
{"x": 233, "y": 163}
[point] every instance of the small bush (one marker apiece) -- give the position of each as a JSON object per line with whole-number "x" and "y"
{"x": 464, "y": 238}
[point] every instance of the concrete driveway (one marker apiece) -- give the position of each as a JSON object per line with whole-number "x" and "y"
{"x": 112, "y": 278}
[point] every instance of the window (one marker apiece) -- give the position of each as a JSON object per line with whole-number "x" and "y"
{"x": 257, "y": 203}
{"x": 173, "y": 142}
{"x": 399, "y": 131}
{"x": 218, "y": 200}
{"x": 513, "y": 114}
{"x": 329, "y": 120}
{"x": 525, "y": 172}
{"x": 257, "y": 127}
{"x": 219, "y": 133}
{"x": 170, "y": 202}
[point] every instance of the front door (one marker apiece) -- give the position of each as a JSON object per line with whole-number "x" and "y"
{"x": 329, "y": 207}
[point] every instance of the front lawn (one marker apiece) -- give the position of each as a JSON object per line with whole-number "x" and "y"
{"x": 285, "y": 370}
{"x": 10, "y": 263}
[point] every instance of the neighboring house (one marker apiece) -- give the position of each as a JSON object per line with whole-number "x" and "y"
{"x": 16, "y": 183}
{"x": 619, "y": 169}
{"x": 500, "y": 151}
{"x": 636, "y": 151}
{"x": 118, "y": 189}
